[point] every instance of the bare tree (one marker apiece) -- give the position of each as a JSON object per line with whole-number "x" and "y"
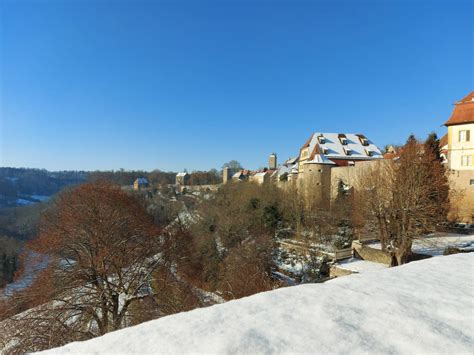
{"x": 405, "y": 197}
{"x": 99, "y": 248}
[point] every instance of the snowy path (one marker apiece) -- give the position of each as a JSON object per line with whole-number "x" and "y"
{"x": 425, "y": 307}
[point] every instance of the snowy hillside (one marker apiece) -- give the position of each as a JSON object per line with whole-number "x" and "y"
{"x": 423, "y": 307}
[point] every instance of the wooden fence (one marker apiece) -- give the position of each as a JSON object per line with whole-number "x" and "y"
{"x": 341, "y": 254}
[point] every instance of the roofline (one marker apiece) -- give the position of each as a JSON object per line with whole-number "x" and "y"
{"x": 447, "y": 124}
{"x": 355, "y": 158}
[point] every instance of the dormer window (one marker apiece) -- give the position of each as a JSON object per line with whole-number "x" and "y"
{"x": 342, "y": 139}
{"x": 325, "y": 151}
{"x": 369, "y": 152}
{"x": 321, "y": 139}
{"x": 363, "y": 140}
{"x": 348, "y": 151}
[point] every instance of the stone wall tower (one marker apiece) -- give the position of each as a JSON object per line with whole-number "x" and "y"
{"x": 225, "y": 175}
{"x": 272, "y": 161}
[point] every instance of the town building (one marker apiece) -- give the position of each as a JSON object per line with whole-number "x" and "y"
{"x": 140, "y": 183}
{"x": 286, "y": 172}
{"x": 241, "y": 175}
{"x": 458, "y": 150}
{"x": 461, "y": 135}
{"x": 326, "y": 158}
{"x": 337, "y": 149}
{"x": 262, "y": 176}
{"x": 182, "y": 178}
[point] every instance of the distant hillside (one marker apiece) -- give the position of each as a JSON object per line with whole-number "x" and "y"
{"x": 22, "y": 186}
{"x": 424, "y": 307}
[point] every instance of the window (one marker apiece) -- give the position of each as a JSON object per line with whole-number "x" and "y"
{"x": 466, "y": 160}
{"x": 363, "y": 140}
{"x": 464, "y": 136}
{"x": 369, "y": 152}
{"x": 321, "y": 139}
{"x": 471, "y": 182}
{"x": 342, "y": 138}
{"x": 348, "y": 151}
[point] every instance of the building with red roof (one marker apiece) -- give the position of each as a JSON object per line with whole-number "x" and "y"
{"x": 458, "y": 147}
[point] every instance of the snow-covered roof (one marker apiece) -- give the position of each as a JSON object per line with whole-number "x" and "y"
{"x": 330, "y": 146}
{"x": 241, "y": 173}
{"x": 283, "y": 169}
{"x": 182, "y": 174}
{"x": 288, "y": 167}
{"x": 374, "y": 313}
{"x": 320, "y": 159}
{"x": 141, "y": 181}
{"x": 291, "y": 161}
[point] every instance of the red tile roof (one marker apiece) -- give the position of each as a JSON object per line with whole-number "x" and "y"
{"x": 443, "y": 141}
{"x": 306, "y": 145}
{"x": 463, "y": 111}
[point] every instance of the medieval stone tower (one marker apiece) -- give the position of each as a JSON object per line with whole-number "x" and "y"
{"x": 315, "y": 184}
{"x": 272, "y": 161}
{"x": 225, "y": 175}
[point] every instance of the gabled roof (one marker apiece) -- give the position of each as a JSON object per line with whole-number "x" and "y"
{"x": 463, "y": 111}
{"x": 288, "y": 167}
{"x": 242, "y": 173}
{"x": 182, "y": 174}
{"x": 320, "y": 159}
{"x": 332, "y": 148}
{"x": 443, "y": 141}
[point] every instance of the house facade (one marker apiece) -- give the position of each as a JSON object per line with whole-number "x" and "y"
{"x": 461, "y": 135}
{"x": 458, "y": 149}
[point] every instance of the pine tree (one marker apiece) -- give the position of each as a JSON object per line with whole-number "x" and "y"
{"x": 432, "y": 145}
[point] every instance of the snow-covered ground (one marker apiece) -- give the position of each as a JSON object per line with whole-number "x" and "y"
{"x": 23, "y": 202}
{"x": 435, "y": 245}
{"x": 425, "y": 307}
{"x": 41, "y": 198}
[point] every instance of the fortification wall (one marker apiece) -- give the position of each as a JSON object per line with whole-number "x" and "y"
{"x": 350, "y": 175}
{"x": 462, "y": 196}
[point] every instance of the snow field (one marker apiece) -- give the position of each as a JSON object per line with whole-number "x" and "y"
{"x": 425, "y": 307}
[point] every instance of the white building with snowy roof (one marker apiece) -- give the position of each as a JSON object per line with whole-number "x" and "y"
{"x": 337, "y": 149}
{"x": 182, "y": 178}
{"x": 323, "y": 152}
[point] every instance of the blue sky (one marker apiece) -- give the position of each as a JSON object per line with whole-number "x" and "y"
{"x": 192, "y": 84}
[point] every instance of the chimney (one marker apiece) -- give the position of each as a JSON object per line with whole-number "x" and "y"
{"x": 272, "y": 161}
